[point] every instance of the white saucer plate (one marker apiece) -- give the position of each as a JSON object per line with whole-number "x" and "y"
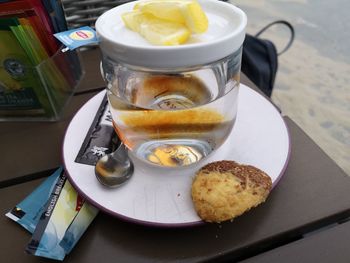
{"x": 162, "y": 197}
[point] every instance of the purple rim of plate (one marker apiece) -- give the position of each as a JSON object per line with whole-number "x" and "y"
{"x": 157, "y": 224}
{"x": 289, "y": 140}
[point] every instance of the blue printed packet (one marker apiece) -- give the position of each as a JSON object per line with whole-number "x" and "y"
{"x": 62, "y": 223}
{"x": 77, "y": 37}
{"x": 27, "y": 213}
{"x": 56, "y": 216}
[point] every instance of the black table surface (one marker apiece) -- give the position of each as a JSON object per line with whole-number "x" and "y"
{"x": 311, "y": 196}
{"x": 328, "y": 245}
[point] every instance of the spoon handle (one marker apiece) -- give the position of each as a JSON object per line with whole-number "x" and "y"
{"x": 121, "y": 153}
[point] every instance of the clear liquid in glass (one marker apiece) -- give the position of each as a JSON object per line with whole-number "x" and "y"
{"x": 172, "y": 120}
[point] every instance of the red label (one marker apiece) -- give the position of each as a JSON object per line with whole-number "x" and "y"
{"x": 82, "y": 34}
{"x": 79, "y": 204}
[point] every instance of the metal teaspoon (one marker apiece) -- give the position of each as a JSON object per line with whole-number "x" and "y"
{"x": 114, "y": 169}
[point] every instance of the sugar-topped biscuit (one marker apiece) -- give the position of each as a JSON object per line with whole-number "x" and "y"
{"x": 224, "y": 190}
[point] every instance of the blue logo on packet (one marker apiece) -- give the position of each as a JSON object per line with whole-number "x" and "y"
{"x": 77, "y": 37}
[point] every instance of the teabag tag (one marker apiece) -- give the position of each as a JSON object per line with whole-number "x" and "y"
{"x": 77, "y": 37}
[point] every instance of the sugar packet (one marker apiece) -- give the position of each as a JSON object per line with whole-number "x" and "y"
{"x": 101, "y": 138}
{"x": 57, "y": 222}
{"x": 27, "y": 213}
{"x": 74, "y": 232}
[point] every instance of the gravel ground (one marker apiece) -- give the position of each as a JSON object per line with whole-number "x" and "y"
{"x": 313, "y": 80}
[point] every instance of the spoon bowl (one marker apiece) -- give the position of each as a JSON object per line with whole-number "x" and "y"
{"x": 114, "y": 169}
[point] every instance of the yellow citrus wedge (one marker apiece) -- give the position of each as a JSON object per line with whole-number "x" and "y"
{"x": 133, "y": 20}
{"x": 155, "y": 30}
{"x": 187, "y": 12}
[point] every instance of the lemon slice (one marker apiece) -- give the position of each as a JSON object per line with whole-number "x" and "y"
{"x": 155, "y": 30}
{"x": 133, "y": 20}
{"x": 187, "y": 12}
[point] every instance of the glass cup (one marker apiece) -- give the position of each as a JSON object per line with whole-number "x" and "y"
{"x": 173, "y": 117}
{"x": 173, "y": 106}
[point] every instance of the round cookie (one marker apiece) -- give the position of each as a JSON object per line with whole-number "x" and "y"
{"x": 224, "y": 190}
